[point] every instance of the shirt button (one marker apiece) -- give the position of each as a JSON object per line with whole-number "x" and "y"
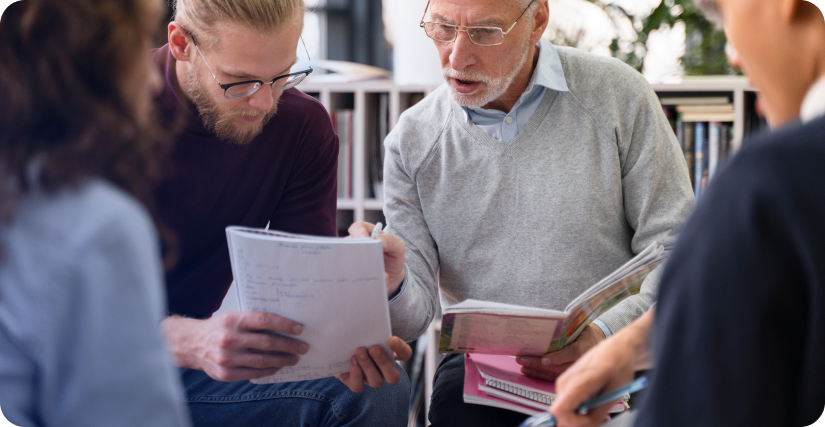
{"x": 509, "y": 120}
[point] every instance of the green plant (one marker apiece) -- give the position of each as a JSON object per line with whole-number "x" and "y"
{"x": 705, "y": 44}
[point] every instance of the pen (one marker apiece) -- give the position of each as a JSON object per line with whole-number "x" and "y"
{"x": 377, "y": 230}
{"x": 547, "y": 419}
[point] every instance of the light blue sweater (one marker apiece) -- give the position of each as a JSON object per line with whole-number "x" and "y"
{"x": 81, "y": 300}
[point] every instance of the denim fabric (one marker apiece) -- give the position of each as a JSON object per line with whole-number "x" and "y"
{"x": 324, "y": 402}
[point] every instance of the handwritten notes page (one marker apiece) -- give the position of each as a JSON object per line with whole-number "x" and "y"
{"x": 333, "y": 286}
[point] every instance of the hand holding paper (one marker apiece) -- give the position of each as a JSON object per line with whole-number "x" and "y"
{"x": 373, "y": 367}
{"x": 235, "y": 346}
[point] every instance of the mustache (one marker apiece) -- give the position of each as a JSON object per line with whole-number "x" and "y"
{"x": 464, "y": 75}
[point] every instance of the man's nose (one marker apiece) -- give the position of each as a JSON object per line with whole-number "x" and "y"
{"x": 262, "y": 99}
{"x": 463, "y": 51}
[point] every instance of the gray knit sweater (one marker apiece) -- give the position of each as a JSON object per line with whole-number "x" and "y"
{"x": 595, "y": 177}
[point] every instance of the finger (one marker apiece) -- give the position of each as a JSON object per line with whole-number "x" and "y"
{"x": 549, "y": 373}
{"x": 264, "y": 360}
{"x": 402, "y": 350}
{"x": 272, "y": 342}
{"x": 354, "y": 380}
{"x": 393, "y": 246}
{"x": 361, "y": 229}
{"x": 385, "y": 364}
{"x": 571, "y": 353}
{"x": 533, "y": 362}
{"x": 373, "y": 377}
{"x": 258, "y": 320}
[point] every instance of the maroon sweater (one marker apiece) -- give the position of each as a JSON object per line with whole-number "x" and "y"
{"x": 286, "y": 176}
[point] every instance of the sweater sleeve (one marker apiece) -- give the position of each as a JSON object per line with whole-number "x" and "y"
{"x": 655, "y": 184}
{"x": 415, "y": 307}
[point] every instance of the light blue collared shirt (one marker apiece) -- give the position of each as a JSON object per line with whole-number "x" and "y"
{"x": 547, "y": 75}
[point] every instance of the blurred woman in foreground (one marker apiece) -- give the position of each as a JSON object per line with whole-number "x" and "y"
{"x": 81, "y": 296}
{"x": 739, "y": 336}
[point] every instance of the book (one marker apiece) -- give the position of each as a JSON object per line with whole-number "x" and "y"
{"x": 699, "y": 158}
{"x": 343, "y": 126}
{"x": 710, "y": 109}
{"x": 474, "y": 326}
{"x": 497, "y": 381}
{"x": 688, "y": 132}
{"x": 714, "y": 137}
{"x": 333, "y": 286}
{"x": 695, "y": 100}
{"x": 708, "y": 117}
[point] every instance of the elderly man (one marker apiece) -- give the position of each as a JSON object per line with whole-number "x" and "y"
{"x": 739, "y": 334}
{"x": 254, "y": 151}
{"x": 531, "y": 174}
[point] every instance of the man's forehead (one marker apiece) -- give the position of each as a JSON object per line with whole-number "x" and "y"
{"x": 483, "y": 12}
{"x": 246, "y": 52}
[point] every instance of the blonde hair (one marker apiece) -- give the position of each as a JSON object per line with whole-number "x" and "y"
{"x": 203, "y": 16}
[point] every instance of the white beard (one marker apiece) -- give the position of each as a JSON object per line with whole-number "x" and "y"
{"x": 496, "y": 86}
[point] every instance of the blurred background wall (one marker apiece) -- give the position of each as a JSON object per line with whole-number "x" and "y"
{"x": 660, "y": 38}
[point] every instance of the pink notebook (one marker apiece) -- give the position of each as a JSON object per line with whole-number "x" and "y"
{"x": 497, "y": 381}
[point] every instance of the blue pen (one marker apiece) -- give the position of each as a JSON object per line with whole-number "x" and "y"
{"x": 547, "y": 419}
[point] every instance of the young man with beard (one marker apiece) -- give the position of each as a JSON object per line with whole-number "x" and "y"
{"x": 738, "y": 332}
{"x": 531, "y": 174}
{"x": 254, "y": 151}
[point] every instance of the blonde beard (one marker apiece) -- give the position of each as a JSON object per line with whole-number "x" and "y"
{"x": 219, "y": 121}
{"x": 496, "y": 86}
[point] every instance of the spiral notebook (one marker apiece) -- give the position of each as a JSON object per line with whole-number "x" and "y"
{"x": 497, "y": 381}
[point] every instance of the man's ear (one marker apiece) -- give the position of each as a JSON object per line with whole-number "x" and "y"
{"x": 540, "y": 21}
{"x": 180, "y": 44}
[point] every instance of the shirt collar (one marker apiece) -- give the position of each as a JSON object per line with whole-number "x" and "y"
{"x": 814, "y": 104}
{"x": 548, "y": 73}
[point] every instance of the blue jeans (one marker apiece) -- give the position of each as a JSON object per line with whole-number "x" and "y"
{"x": 317, "y": 403}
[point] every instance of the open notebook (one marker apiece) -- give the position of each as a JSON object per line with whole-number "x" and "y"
{"x": 497, "y": 381}
{"x": 333, "y": 286}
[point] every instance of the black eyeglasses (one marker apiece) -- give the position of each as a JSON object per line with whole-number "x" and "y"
{"x": 482, "y": 36}
{"x": 246, "y": 88}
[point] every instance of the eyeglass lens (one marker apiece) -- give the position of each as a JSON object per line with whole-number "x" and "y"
{"x": 484, "y": 36}
{"x": 239, "y": 91}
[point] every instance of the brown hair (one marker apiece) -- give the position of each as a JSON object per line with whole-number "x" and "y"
{"x": 203, "y": 16}
{"x": 65, "y": 66}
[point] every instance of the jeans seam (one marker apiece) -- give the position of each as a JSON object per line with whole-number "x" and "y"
{"x": 264, "y": 396}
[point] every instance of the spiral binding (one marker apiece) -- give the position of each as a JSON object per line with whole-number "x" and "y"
{"x": 538, "y": 397}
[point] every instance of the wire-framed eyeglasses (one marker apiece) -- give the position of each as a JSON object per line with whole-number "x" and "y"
{"x": 482, "y": 36}
{"x": 249, "y": 87}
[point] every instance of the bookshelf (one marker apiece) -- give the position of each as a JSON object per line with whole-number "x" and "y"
{"x": 361, "y": 98}
{"x": 736, "y": 88}
{"x": 364, "y": 100}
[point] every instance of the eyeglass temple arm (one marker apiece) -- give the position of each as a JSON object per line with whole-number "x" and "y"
{"x": 199, "y": 51}
{"x": 519, "y": 18}
{"x": 309, "y": 58}
{"x": 421, "y": 24}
